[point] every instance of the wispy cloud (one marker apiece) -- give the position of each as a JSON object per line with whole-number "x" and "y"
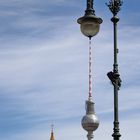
{"x": 44, "y": 73}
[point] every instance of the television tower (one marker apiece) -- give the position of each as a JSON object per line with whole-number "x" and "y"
{"x": 90, "y": 121}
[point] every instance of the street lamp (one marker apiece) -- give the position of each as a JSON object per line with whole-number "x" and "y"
{"x": 90, "y": 25}
{"x": 114, "y": 76}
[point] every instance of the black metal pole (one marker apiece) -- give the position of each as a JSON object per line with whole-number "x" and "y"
{"x": 114, "y": 6}
{"x": 116, "y": 133}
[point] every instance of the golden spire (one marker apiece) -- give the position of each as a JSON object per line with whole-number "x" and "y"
{"x": 52, "y": 135}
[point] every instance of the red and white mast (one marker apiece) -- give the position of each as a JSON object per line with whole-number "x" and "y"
{"x": 90, "y": 70}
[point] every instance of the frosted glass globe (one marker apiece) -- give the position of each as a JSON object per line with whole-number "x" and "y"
{"x": 90, "y": 28}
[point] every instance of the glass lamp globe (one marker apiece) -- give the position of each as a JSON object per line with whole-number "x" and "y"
{"x": 89, "y": 28}
{"x": 90, "y": 25}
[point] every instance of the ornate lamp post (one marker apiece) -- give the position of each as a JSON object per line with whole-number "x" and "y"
{"x": 114, "y": 6}
{"x": 90, "y": 25}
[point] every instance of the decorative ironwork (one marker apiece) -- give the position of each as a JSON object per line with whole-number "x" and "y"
{"x": 89, "y": 4}
{"x": 90, "y": 10}
{"x": 115, "y": 6}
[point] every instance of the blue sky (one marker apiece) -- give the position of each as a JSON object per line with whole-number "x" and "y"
{"x": 44, "y": 70}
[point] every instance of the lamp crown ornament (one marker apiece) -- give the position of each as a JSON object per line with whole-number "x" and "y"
{"x": 115, "y": 6}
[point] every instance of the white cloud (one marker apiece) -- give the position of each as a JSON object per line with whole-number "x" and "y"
{"x": 44, "y": 79}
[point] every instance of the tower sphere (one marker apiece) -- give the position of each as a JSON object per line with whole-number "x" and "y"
{"x": 90, "y": 122}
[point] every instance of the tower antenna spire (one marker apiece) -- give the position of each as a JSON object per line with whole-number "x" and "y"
{"x": 90, "y": 70}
